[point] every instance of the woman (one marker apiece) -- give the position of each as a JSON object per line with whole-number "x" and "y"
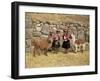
{"x": 72, "y": 41}
{"x": 66, "y": 41}
{"x": 56, "y": 41}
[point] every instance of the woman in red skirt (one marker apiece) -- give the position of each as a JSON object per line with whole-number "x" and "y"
{"x": 66, "y": 40}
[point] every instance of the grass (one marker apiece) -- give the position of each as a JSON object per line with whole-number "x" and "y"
{"x": 57, "y": 60}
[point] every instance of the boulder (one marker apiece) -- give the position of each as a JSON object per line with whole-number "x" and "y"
{"x": 81, "y": 34}
{"x": 36, "y": 34}
{"x": 45, "y": 29}
{"x": 28, "y": 33}
{"x": 38, "y": 28}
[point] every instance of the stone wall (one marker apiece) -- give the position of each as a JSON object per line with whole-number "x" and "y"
{"x": 39, "y": 24}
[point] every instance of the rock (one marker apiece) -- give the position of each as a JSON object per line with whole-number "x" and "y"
{"x": 38, "y": 25}
{"x": 45, "y": 29}
{"x": 38, "y": 28}
{"x": 42, "y": 35}
{"x": 81, "y": 34}
{"x": 62, "y": 27}
{"x": 27, "y": 45}
{"x": 28, "y": 33}
{"x": 86, "y": 35}
{"x": 36, "y": 34}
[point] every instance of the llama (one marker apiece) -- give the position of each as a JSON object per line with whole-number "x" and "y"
{"x": 77, "y": 44}
{"x": 40, "y": 45}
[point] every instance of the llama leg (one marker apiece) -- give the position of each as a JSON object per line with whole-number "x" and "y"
{"x": 84, "y": 47}
{"x": 45, "y": 52}
{"x": 81, "y": 48}
{"x": 76, "y": 48}
{"x": 34, "y": 52}
{"x": 39, "y": 51}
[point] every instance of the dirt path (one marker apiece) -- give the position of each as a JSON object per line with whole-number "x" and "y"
{"x": 57, "y": 60}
